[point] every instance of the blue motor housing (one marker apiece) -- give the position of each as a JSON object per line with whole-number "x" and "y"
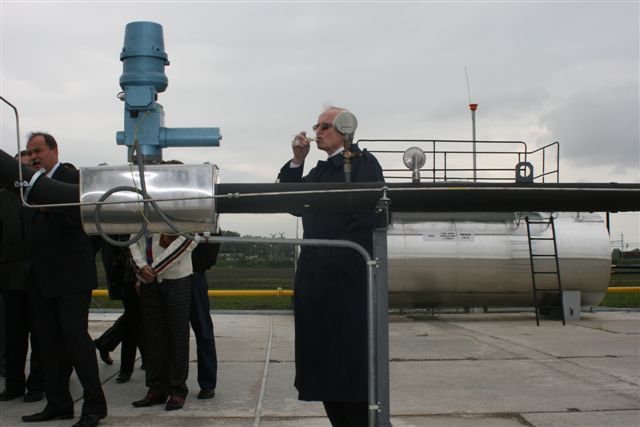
{"x": 143, "y": 61}
{"x": 143, "y": 56}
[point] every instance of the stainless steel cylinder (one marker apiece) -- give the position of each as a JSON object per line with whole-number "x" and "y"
{"x": 193, "y": 184}
{"x": 482, "y": 259}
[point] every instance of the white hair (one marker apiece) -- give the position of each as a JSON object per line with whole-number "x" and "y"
{"x": 329, "y": 107}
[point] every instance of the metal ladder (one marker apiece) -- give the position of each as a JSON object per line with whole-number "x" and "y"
{"x": 550, "y": 272}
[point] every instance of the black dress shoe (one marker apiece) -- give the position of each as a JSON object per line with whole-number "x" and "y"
{"x": 207, "y": 393}
{"x": 123, "y": 378}
{"x": 174, "y": 403}
{"x": 47, "y": 415}
{"x": 10, "y": 395}
{"x": 33, "y": 396}
{"x": 149, "y": 400}
{"x": 104, "y": 354}
{"x": 89, "y": 420}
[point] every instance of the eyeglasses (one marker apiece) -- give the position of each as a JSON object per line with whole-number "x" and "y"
{"x": 323, "y": 126}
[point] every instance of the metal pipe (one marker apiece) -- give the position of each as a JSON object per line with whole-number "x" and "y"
{"x": 225, "y": 293}
{"x": 428, "y": 197}
{"x": 15, "y": 112}
{"x": 289, "y": 292}
{"x": 362, "y": 197}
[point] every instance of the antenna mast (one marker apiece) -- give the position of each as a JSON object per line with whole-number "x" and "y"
{"x": 473, "y": 107}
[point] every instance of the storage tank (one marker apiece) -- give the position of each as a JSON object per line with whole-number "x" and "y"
{"x": 482, "y": 259}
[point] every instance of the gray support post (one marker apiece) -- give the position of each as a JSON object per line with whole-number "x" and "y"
{"x": 382, "y": 327}
{"x": 380, "y": 299}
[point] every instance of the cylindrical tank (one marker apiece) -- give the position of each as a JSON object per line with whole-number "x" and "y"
{"x": 162, "y": 182}
{"x": 482, "y": 259}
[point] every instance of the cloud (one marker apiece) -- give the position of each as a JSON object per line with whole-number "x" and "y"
{"x": 598, "y": 127}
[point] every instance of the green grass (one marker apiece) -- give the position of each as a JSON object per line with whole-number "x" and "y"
{"x": 625, "y": 280}
{"x": 621, "y": 300}
{"x": 626, "y": 300}
{"x": 250, "y": 277}
{"x": 251, "y": 303}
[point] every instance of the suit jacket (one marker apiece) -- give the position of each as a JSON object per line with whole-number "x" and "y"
{"x": 13, "y": 256}
{"x": 62, "y": 254}
{"x": 330, "y": 299}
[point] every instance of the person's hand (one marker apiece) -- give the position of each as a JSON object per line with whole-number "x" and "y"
{"x": 148, "y": 274}
{"x": 300, "y": 147}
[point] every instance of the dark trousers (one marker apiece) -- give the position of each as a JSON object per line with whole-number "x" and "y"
{"x": 125, "y": 330}
{"x": 165, "y": 332}
{"x": 203, "y": 330}
{"x": 347, "y": 414}
{"x": 18, "y": 322}
{"x": 63, "y": 338}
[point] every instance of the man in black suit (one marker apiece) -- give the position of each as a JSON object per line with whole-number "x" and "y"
{"x": 19, "y": 316}
{"x": 61, "y": 277}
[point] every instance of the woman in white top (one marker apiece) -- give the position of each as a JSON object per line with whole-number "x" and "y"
{"x": 163, "y": 266}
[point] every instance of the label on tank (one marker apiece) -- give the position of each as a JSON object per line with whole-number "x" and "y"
{"x": 448, "y": 236}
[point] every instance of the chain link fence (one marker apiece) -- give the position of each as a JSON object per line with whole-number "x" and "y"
{"x": 625, "y": 231}
{"x": 254, "y": 266}
{"x": 624, "y": 240}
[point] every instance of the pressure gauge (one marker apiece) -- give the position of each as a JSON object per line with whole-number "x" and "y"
{"x": 345, "y": 123}
{"x": 414, "y": 158}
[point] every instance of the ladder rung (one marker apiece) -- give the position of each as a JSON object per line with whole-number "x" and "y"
{"x": 544, "y": 272}
{"x": 543, "y": 255}
{"x": 542, "y": 238}
{"x": 548, "y": 291}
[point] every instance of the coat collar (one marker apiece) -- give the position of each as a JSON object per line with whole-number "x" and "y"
{"x": 338, "y": 160}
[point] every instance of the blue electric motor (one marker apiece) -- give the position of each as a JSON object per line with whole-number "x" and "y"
{"x": 143, "y": 61}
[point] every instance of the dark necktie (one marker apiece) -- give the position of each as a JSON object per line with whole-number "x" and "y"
{"x": 149, "y": 243}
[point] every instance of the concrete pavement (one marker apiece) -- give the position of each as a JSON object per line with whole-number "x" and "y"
{"x": 449, "y": 370}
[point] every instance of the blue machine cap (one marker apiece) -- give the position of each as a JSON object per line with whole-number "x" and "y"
{"x": 143, "y": 56}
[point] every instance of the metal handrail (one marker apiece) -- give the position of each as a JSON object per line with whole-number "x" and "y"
{"x": 441, "y": 157}
{"x": 544, "y": 173}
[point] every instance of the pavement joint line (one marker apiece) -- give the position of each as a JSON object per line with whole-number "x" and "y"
{"x": 490, "y": 340}
{"x": 109, "y": 378}
{"x": 552, "y": 358}
{"x": 265, "y": 374}
{"x": 454, "y": 359}
{"x": 598, "y": 328}
{"x": 517, "y": 416}
{"x": 581, "y": 411}
{"x": 631, "y": 383}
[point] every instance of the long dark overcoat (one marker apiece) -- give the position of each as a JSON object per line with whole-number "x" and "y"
{"x": 330, "y": 302}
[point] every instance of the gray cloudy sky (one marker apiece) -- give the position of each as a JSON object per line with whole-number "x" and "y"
{"x": 261, "y": 71}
